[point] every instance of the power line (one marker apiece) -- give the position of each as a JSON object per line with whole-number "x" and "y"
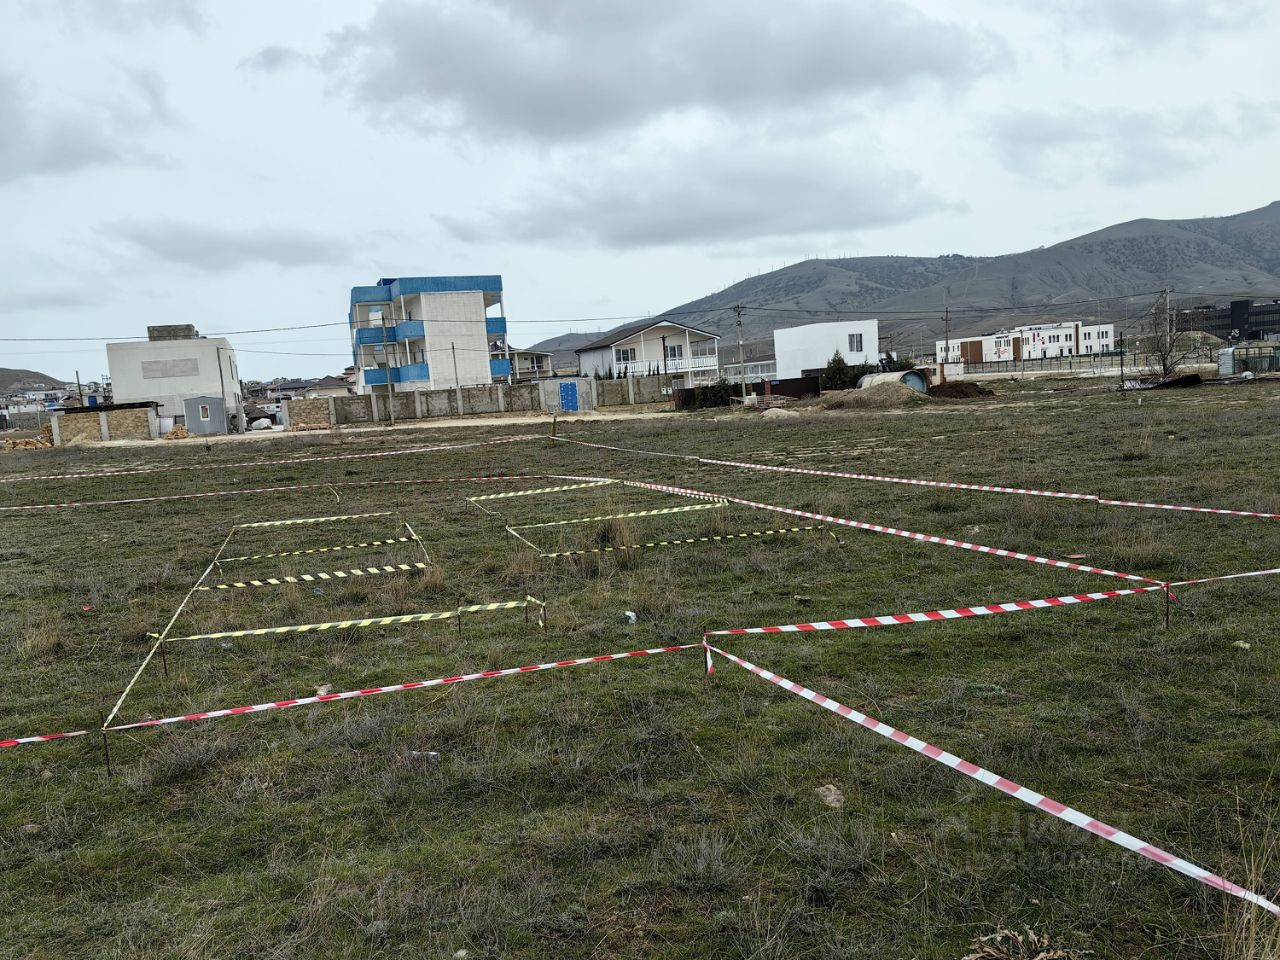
{"x": 345, "y": 323}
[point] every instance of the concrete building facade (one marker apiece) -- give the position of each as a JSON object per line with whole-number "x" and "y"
{"x": 428, "y": 333}
{"x": 173, "y": 364}
{"x": 807, "y": 349}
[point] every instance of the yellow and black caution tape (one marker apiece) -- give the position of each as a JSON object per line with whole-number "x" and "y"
{"x": 355, "y": 624}
{"x": 298, "y": 553}
{"x": 621, "y": 516}
{"x": 316, "y": 577}
{"x": 504, "y": 605}
{"x": 296, "y": 520}
{"x": 529, "y": 493}
{"x": 669, "y": 543}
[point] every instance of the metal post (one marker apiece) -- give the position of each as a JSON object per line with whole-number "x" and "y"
{"x": 106, "y": 747}
{"x": 164, "y": 658}
{"x": 1166, "y": 606}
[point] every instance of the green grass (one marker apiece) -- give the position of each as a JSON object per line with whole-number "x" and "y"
{"x": 638, "y": 808}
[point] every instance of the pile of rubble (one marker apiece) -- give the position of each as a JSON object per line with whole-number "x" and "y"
{"x": 179, "y": 432}
{"x": 44, "y": 440}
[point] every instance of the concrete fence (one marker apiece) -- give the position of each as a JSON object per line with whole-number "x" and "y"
{"x": 548, "y": 396}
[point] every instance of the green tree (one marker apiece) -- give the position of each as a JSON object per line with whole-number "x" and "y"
{"x": 836, "y": 375}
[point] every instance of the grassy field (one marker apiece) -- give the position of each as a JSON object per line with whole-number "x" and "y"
{"x": 638, "y": 808}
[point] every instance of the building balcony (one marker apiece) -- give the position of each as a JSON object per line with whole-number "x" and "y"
{"x": 365, "y": 335}
{"x": 409, "y": 329}
{"x": 686, "y": 364}
{"x": 377, "y": 376}
{"x": 500, "y": 367}
{"x": 494, "y": 325}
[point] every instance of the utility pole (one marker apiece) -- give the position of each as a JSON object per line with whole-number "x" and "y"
{"x": 946, "y": 350}
{"x": 79, "y": 389}
{"x": 454, "y": 348}
{"x": 664, "y": 353}
{"x": 742, "y": 364}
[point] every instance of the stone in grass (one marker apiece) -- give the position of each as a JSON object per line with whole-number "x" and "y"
{"x": 830, "y": 795}
{"x": 1242, "y": 644}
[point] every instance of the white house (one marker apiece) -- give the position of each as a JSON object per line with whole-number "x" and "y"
{"x": 653, "y": 346}
{"x": 1034, "y": 341}
{"x": 428, "y": 333}
{"x": 173, "y": 364}
{"x": 531, "y": 364}
{"x": 799, "y": 351}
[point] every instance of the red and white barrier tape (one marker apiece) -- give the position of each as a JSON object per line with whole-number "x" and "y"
{"x": 896, "y": 619}
{"x": 1004, "y": 785}
{"x": 980, "y": 487}
{"x": 134, "y": 471}
{"x": 397, "y": 687}
{"x": 894, "y": 531}
{"x": 43, "y": 738}
{"x": 943, "y": 484}
{"x": 241, "y": 492}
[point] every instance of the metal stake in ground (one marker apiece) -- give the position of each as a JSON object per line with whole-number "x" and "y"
{"x": 106, "y": 749}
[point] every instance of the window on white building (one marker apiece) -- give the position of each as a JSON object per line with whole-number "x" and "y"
{"x": 702, "y": 348}
{"x": 675, "y": 351}
{"x": 624, "y": 355}
{"x": 855, "y": 343}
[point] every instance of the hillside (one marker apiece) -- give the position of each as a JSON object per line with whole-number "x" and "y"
{"x": 1207, "y": 256}
{"x": 15, "y": 381}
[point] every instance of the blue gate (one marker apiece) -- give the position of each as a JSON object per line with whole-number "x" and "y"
{"x": 568, "y": 396}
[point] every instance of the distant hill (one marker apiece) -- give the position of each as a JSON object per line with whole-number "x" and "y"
{"x": 16, "y": 381}
{"x": 1204, "y": 257}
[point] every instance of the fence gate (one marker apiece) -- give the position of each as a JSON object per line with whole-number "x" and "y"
{"x": 569, "y": 396}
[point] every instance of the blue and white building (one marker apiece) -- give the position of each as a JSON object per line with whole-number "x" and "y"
{"x": 429, "y": 333}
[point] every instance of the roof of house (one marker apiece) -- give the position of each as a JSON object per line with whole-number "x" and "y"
{"x": 331, "y": 382}
{"x": 293, "y": 384}
{"x": 631, "y": 329}
{"x": 537, "y": 353}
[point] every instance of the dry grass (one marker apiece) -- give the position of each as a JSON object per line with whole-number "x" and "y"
{"x": 43, "y": 641}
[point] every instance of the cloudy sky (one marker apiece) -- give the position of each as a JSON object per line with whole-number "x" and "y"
{"x": 240, "y": 165}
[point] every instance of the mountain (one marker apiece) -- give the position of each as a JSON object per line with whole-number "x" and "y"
{"x": 1211, "y": 256}
{"x": 16, "y": 381}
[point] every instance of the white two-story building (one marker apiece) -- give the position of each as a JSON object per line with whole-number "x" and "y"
{"x": 653, "y": 346}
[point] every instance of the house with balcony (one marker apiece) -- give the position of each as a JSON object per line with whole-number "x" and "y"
{"x": 428, "y": 333}
{"x": 653, "y": 346}
{"x": 531, "y": 364}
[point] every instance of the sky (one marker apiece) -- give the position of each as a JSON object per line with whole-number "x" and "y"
{"x": 241, "y": 165}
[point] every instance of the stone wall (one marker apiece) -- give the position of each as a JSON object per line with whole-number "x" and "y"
{"x": 80, "y": 427}
{"x": 307, "y": 414}
{"x": 129, "y": 424}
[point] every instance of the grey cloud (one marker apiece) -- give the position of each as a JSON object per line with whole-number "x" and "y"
{"x": 43, "y": 139}
{"x": 220, "y": 249}
{"x": 556, "y": 70}
{"x": 273, "y": 59}
{"x": 711, "y": 197}
{"x": 1119, "y": 147}
{"x": 1157, "y": 20}
{"x": 125, "y": 16}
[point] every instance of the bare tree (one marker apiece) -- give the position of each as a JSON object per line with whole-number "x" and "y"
{"x": 1168, "y": 346}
